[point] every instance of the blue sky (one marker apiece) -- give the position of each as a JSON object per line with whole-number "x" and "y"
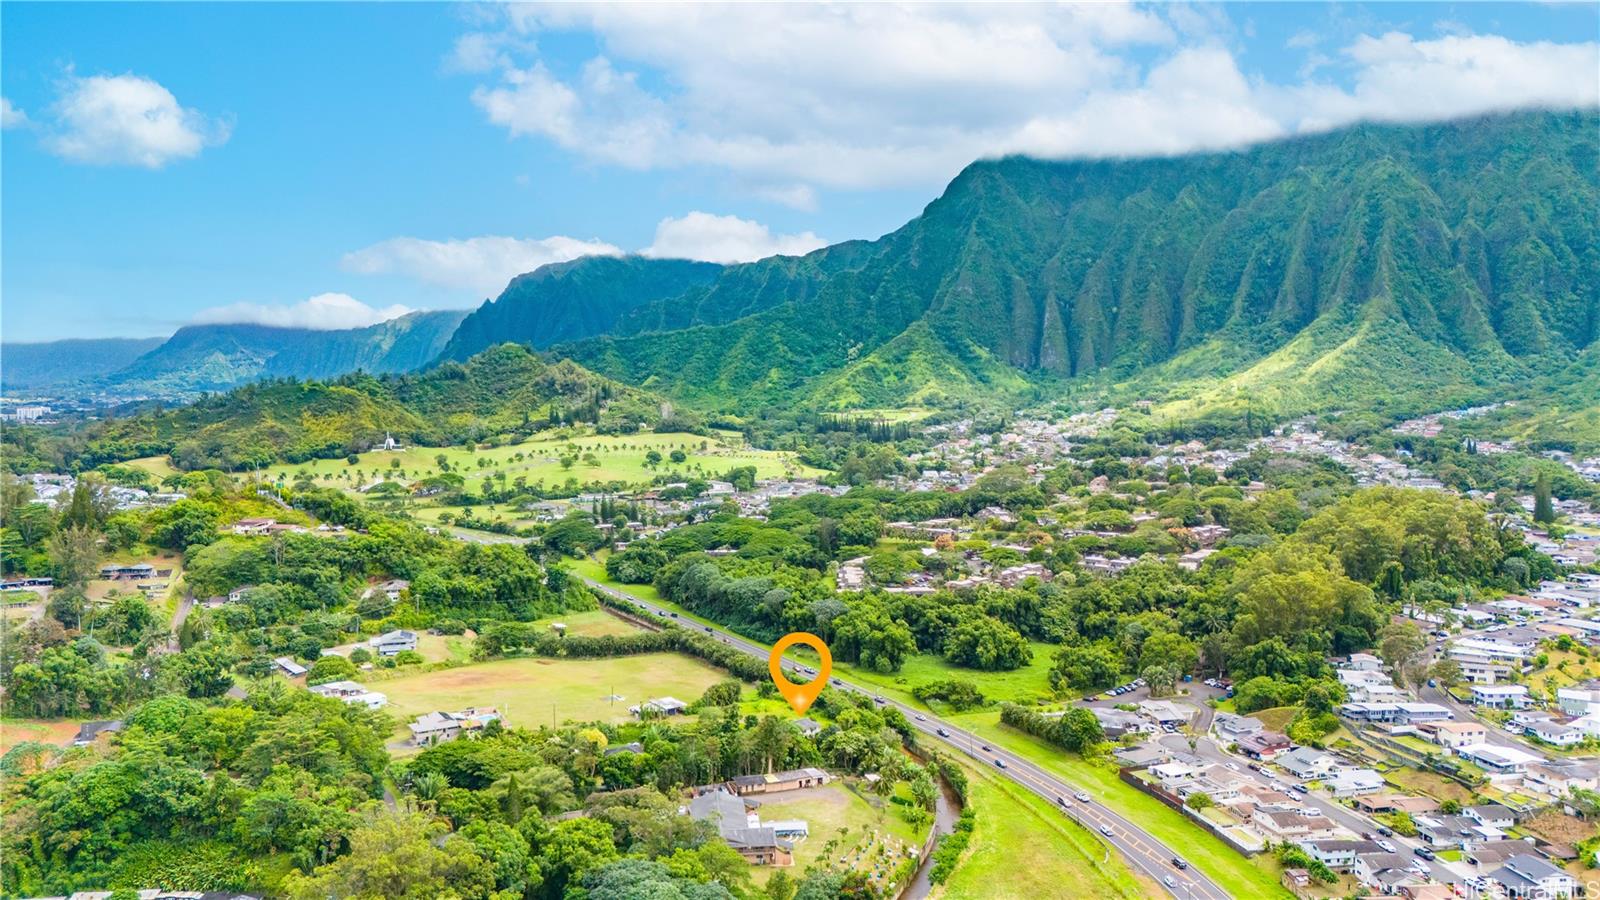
{"x": 331, "y": 165}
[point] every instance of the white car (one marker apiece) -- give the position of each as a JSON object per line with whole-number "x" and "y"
{"x": 1388, "y": 846}
{"x": 1317, "y": 811}
{"x": 1232, "y": 767}
{"x": 1106, "y": 830}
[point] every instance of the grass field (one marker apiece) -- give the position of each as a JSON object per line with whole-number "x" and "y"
{"x": 1257, "y": 877}
{"x": 1020, "y": 685}
{"x": 16, "y": 731}
{"x": 858, "y": 827}
{"x": 159, "y": 466}
{"x": 533, "y": 691}
{"x": 614, "y": 458}
{"x": 1022, "y": 847}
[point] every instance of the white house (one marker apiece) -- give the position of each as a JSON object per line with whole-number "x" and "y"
{"x": 1500, "y": 696}
{"x": 1525, "y": 875}
{"x": 394, "y": 642}
{"x": 350, "y": 692}
{"x": 1579, "y": 700}
{"x": 1306, "y": 762}
{"x": 1353, "y": 782}
{"x": 436, "y": 727}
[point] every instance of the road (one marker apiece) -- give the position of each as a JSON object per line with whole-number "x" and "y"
{"x": 1141, "y": 849}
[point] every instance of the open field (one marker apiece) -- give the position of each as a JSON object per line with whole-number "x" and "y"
{"x": 614, "y": 458}
{"x": 16, "y": 731}
{"x": 1023, "y": 685}
{"x": 1022, "y": 847}
{"x": 159, "y": 466}
{"x": 532, "y": 691}
{"x": 859, "y": 826}
{"x": 1256, "y": 877}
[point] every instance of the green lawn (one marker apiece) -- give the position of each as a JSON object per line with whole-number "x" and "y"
{"x": 1205, "y": 852}
{"x": 616, "y": 458}
{"x": 1023, "y": 847}
{"x": 533, "y": 691}
{"x": 1024, "y": 685}
{"x": 866, "y": 832}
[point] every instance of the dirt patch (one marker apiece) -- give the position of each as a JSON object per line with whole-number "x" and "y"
{"x": 1560, "y": 828}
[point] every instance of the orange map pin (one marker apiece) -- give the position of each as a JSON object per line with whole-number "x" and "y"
{"x": 800, "y": 696}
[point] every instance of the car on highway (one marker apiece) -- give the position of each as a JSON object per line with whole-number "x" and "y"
{"x": 986, "y": 748}
{"x": 1180, "y": 862}
{"x": 708, "y": 629}
{"x": 1064, "y": 802}
{"x": 1106, "y": 830}
{"x": 838, "y": 683}
{"x": 941, "y": 732}
{"x": 673, "y": 614}
{"x": 921, "y": 717}
{"x": 1170, "y": 882}
{"x": 1081, "y": 796}
{"x": 1000, "y": 763}
{"x": 879, "y": 700}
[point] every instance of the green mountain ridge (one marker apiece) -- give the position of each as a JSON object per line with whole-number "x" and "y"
{"x": 1385, "y": 259}
{"x": 503, "y": 390}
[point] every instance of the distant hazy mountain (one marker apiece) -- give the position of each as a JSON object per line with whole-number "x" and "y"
{"x": 1394, "y": 264}
{"x": 577, "y": 299}
{"x": 214, "y": 357}
{"x": 53, "y": 363}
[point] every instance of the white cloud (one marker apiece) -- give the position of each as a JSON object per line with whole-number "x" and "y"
{"x": 11, "y": 116}
{"x": 324, "y": 312}
{"x": 787, "y": 98}
{"x": 725, "y": 239}
{"x": 482, "y": 264}
{"x": 127, "y": 120}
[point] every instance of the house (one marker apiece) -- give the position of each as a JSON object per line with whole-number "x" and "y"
{"x": 1353, "y": 782}
{"x": 135, "y": 572}
{"x": 808, "y": 726}
{"x": 660, "y": 706}
{"x": 777, "y": 782}
{"x": 1558, "y": 733}
{"x": 1525, "y": 875}
{"x": 1306, "y": 762}
{"x": 740, "y": 827}
{"x": 289, "y": 667}
{"x": 392, "y": 589}
{"x": 350, "y": 692}
{"x": 1382, "y": 870}
{"x": 239, "y": 593}
{"x": 1413, "y": 713}
{"x": 394, "y": 642}
{"x": 1364, "y": 662}
{"x": 1500, "y": 696}
{"x": 89, "y": 731}
{"x": 1164, "y": 712}
{"x": 1497, "y": 759}
{"x": 1392, "y": 803}
{"x": 1579, "y": 700}
{"x": 1451, "y": 735}
{"x": 1446, "y": 832}
{"x": 1336, "y": 853}
{"x": 1558, "y": 777}
{"x": 437, "y": 727}
{"x": 1117, "y": 722}
{"x": 254, "y": 526}
{"x": 1491, "y": 814}
{"x": 1264, "y": 744}
{"x": 1015, "y": 575}
{"x": 1231, "y": 727}
{"x": 1280, "y": 825}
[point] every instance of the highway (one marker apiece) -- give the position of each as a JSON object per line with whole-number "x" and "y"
{"x": 1141, "y": 849}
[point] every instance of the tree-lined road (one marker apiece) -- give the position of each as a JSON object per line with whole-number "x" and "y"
{"x": 1142, "y": 850}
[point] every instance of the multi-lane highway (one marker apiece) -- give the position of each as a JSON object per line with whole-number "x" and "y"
{"x": 1142, "y": 850}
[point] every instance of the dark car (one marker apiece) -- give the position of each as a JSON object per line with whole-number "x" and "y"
{"x": 1000, "y": 762}
{"x": 986, "y": 748}
{"x": 837, "y": 683}
{"x": 941, "y": 732}
{"x": 708, "y": 629}
{"x": 1179, "y": 862}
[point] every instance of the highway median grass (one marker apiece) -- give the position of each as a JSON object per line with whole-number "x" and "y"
{"x": 1243, "y": 876}
{"x": 1023, "y": 847}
